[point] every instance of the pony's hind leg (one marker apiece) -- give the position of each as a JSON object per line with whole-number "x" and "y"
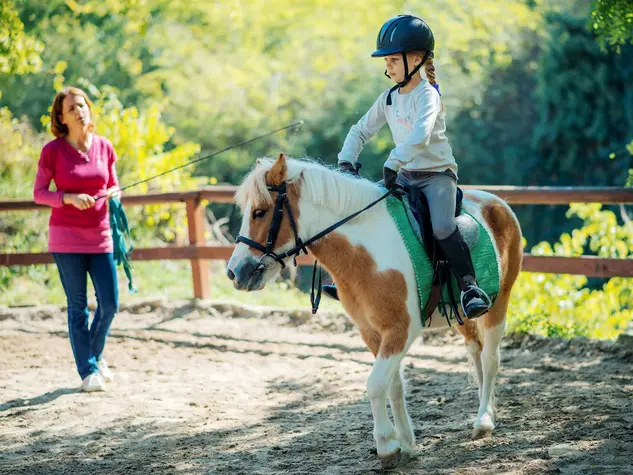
{"x": 404, "y": 430}
{"x": 472, "y": 340}
{"x": 494, "y": 326}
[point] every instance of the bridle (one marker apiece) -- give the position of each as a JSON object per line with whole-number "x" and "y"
{"x": 270, "y": 259}
{"x": 273, "y": 231}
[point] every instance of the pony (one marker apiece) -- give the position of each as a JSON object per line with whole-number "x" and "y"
{"x": 286, "y": 206}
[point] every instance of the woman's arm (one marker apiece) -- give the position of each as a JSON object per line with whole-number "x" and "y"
{"x": 113, "y": 179}
{"x": 45, "y": 173}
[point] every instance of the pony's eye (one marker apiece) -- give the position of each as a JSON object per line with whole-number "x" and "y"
{"x": 259, "y": 213}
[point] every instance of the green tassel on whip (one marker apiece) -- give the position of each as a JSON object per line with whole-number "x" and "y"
{"x": 121, "y": 239}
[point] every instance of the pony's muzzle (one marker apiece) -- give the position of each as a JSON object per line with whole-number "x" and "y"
{"x": 246, "y": 275}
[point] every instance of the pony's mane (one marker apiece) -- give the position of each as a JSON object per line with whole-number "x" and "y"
{"x": 320, "y": 184}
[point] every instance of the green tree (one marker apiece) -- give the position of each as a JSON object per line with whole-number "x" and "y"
{"x": 560, "y": 114}
{"x": 585, "y": 99}
{"x": 612, "y": 20}
{"x": 19, "y": 52}
{"x": 563, "y": 305}
{"x": 232, "y": 70}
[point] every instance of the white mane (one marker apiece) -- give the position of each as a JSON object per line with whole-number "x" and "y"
{"x": 319, "y": 184}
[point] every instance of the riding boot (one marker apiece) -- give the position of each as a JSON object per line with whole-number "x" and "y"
{"x": 330, "y": 291}
{"x": 475, "y": 302}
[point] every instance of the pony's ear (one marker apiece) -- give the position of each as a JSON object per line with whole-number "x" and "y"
{"x": 277, "y": 174}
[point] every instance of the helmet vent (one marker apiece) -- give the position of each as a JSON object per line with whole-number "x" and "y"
{"x": 393, "y": 33}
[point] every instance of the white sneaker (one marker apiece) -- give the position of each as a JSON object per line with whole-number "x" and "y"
{"x": 105, "y": 371}
{"x": 93, "y": 382}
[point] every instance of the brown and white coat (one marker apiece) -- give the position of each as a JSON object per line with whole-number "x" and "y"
{"x": 371, "y": 268}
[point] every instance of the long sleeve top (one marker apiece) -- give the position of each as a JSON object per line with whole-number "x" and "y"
{"x": 418, "y": 127}
{"x": 70, "y": 229}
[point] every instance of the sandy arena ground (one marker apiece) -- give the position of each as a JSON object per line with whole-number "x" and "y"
{"x": 221, "y": 389}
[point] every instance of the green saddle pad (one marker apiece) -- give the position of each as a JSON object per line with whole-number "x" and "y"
{"x": 483, "y": 255}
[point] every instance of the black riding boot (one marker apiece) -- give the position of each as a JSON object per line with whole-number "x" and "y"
{"x": 475, "y": 302}
{"x": 330, "y": 291}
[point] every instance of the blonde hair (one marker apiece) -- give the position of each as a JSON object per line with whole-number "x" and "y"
{"x": 59, "y": 129}
{"x": 429, "y": 67}
{"x": 429, "y": 70}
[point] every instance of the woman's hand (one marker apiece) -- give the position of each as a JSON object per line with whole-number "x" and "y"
{"x": 80, "y": 201}
{"x": 113, "y": 192}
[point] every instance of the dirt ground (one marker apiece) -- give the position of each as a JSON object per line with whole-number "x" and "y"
{"x": 220, "y": 389}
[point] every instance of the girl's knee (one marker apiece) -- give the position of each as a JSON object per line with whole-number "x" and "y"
{"x": 444, "y": 229}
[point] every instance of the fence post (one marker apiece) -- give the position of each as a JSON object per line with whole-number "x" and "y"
{"x": 199, "y": 267}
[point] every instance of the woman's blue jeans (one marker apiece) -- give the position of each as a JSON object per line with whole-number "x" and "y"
{"x": 88, "y": 343}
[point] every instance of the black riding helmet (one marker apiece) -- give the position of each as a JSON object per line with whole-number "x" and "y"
{"x": 402, "y": 34}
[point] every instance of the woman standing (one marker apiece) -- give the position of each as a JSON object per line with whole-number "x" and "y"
{"x": 82, "y": 166}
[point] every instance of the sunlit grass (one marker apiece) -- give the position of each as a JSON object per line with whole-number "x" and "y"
{"x": 544, "y": 304}
{"x": 155, "y": 279}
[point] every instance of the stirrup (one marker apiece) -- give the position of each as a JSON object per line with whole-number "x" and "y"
{"x": 480, "y": 293}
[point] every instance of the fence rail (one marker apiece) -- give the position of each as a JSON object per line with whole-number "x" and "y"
{"x": 198, "y": 253}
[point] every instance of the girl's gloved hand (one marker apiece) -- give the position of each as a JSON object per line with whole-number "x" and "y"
{"x": 349, "y": 168}
{"x": 390, "y": 177}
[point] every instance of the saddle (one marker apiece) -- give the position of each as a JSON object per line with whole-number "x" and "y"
{"x": 418, "y": 208}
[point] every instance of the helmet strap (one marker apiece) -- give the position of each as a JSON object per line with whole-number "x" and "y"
{"x": 406, "y": 68}
{"x": 407, "y": 75}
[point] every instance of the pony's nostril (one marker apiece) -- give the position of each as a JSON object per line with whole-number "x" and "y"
{"x": 230, "y": 274}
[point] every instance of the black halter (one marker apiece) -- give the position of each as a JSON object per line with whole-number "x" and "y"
{"x": 300, "y": 246}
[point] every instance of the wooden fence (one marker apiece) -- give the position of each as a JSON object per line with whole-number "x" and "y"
{"x": 199, "y": 253}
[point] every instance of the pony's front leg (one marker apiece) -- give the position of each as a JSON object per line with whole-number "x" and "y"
{"x": 385, "y": 368}
{"x": 404, "y": 429}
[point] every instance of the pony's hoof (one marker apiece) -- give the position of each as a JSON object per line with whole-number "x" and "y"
{"x": 408, "y": 448}
{"x": 407, "y": 442}
{"x": 481, "y": 432}
{"x": 483, "y": 427}
{"x": 391, "y": 461}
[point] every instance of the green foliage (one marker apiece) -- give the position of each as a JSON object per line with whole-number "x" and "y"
{"x": 583, "y": 109}
{"x": 20, "y": 146}
{"x": 19, "y": 52}
{"x": 562, "y": 305}
{"x": 231, "y": 70}
{"x": 530, "y": 98}
{"x": 612, "y": 20}
{"x": 560, "y": 114}
{"x": 492, "y": 151}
